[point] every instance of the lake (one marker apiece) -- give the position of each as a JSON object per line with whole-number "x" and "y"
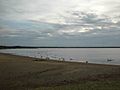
{"x": 92, "y": 55}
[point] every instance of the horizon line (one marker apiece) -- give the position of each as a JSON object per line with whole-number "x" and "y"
{"x": 59, "y": 46}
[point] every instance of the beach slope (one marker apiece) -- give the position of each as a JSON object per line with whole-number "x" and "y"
{"x": 24, "y": 73}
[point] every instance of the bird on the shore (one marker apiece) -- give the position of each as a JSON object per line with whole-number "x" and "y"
{"x": 86, "y": 62}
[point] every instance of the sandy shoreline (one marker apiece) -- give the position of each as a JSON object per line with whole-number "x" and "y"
{"x": 35, "y": 59}
{"x": 21, "y": 73}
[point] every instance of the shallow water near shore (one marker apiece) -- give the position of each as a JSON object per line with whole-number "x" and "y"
{"x": 92, "y": 55}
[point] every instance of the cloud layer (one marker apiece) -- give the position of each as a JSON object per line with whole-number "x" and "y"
{"x": 60, "y": 22}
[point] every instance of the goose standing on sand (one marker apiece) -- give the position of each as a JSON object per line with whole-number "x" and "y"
{"x": 86, "y": 62}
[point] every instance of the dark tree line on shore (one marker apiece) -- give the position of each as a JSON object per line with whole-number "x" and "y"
{"x": 15, "y": 47}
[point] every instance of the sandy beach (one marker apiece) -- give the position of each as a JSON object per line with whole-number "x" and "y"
{"x": 24, "y": 73}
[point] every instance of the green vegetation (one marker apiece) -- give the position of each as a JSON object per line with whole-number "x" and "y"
{"x": 24, "y": 73}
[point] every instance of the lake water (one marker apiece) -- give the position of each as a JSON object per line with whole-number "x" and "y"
{"x": 92, "y": 55}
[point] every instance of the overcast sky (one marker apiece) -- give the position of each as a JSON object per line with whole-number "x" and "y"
{"x": 60, "y": 22}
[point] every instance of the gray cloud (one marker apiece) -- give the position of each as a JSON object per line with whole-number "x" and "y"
{"x": 75, "y": 23}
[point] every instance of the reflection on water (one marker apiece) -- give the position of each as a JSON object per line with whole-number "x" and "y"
{"x": 92, "y": 55}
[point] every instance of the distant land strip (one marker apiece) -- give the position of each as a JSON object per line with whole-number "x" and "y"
{"x": 18, "y": 47}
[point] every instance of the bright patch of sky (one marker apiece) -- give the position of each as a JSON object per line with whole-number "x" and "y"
{"x": 60, "y": 22}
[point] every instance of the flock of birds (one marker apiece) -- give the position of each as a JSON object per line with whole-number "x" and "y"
{"x": 55, "y": 57}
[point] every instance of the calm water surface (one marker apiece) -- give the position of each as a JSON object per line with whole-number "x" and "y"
{"x": 92, "y": 55}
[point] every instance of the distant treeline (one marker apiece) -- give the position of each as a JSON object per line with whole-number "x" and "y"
{"x": 15, "y": 47}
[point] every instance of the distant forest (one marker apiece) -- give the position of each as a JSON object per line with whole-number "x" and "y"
{"x": 15, "y": 47}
